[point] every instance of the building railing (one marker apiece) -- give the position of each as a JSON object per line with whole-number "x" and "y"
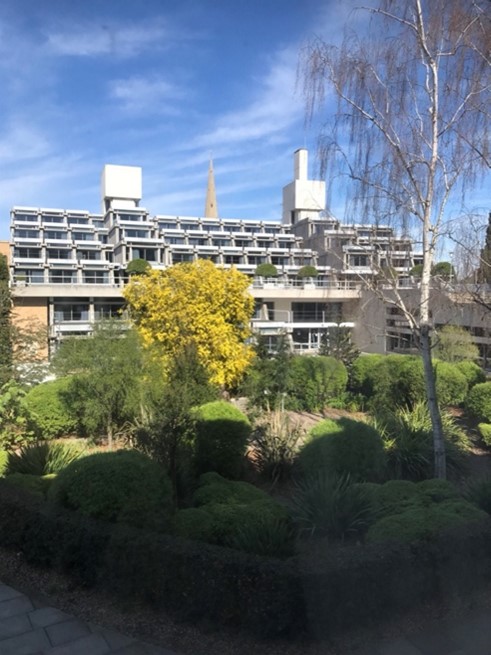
{"x": 279, "y": 283}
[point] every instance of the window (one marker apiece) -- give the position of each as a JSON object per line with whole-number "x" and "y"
{"x": 78, "y": 220}
{"x": 168, "y": 226}
{"x": 50, "y": 218}
{"x": 84, "y": 236}
{"x": 233, "y": 259}
{"x": 62, "y": 276}
{"x": 189, "y": 226}
{"x": 221, "y": 242}
{"x": 174, "y": 240}
{"x": 194, "y": 241}
{"x": 55, "y": 234}
{"x": 317, "y": 312}
{"x": 97, "y": 223}
{"x": 242, "y": 243}
{"x": 136, "y": 234}
{"x": 71, "y": 312}
{"x": 31, "y": 218}
{"x": 34, "y": 276}
{"x": 93, "y": 255}
{"x": 29, "y": 253}
{"x": 103, "y": 310}
{"x": 57, "y": 253}
{"x": 130, "y": 217}
{"x": 26, "y": 234}
{"x": 145, "y": 253}
{"x": 179, "y": 257}
{"x": 359, "y": 260}
{"x": 95, "y": 277}
{"x": 255, "y": 260}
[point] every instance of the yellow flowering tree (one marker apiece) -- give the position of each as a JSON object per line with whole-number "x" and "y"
{"x": 196, "y": 305}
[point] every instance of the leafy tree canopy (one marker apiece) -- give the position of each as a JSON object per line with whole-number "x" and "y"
{"x": 138, "y": 267}
{"x": 200, "y": 305}
{"x": 266, "y": 270}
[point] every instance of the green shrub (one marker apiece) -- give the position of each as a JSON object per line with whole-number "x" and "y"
{"x": 478, "y": 402}
{"x": 222, "y": 432}
{"x": 236, "y": 514}
{"x": 43, "y": 458}
{"x": 478, "y": 492}
{"x": 423, "y": 523}
{"x": 48, "y": 411}
{"x": 214, "y": 488}
{"x": 138, "y": 267}
{"x": 437, "y": 490}
{"x": 394, "y": 496}
{"x": 194, "y": 523}
{"x": 120, "y": 486}
{"x": 451, "y": 384}
{"x": 397, "y": 381}
{"x": 307, "y": 271}
{"x": 472, "y": 371}
{"x": 315, "y": 380}
{"x": 344, "y": 447}
{"x": 485, "y": 432}
{"x": 36, "y": 484}
{"x": 274, "y": 441}
{"x": 266, "y": 270}
{"x": 266, "y": 537}
{"x": 408, "y": 440}
{"x": 4, "y": 458}
{"x": 361, "y": 377}
{"x": 328, "y": 505}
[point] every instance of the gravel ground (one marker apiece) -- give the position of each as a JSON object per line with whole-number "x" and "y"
{"x": 204, "y": 639}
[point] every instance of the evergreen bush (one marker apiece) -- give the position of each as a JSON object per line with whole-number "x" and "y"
{"x": 220, "y": 442}
{"x": 478, "y": 492}
{"x": 266, "y": 270}
{"x": 478, "y": 402}
{"x": 307, "y": 271}
{"x": 344, "y": 447}
{"x": 485, "y": 432}
{"x": 121, "y": 486}
{"x": 472, "y": 371}
{"x": 424, "y": 523}
{"x": 361, "y": 378}
{"x": 451, "y": 384}
{"x": 48, "y": 411}
{"x": 37, "y": 484}
{"x": 315, "y": 380}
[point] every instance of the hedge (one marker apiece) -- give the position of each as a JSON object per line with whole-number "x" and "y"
{"x": 303, "y": 597}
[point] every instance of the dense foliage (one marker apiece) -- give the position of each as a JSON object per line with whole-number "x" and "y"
{"x": 51, "y": 415}
{"x": 6, "y": 347}
{"x": 478, "y": 402}
{"x": 103, "y": 391}
{"x": 200, "y": 305}
{"x": 123, "y": 486}
{"x": 220, "y": 440}
{"x": 313, "y": 381}
{"x": 344, "y": 447}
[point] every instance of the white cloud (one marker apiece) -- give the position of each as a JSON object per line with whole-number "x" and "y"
{"x": 22, "y": 141}
{"x": 150, "y": 94}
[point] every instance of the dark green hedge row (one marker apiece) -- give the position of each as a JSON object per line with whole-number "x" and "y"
{"x": 318, "y": 596}
{"x": 190, "y": 579}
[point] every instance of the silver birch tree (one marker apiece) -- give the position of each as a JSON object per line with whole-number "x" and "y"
{"x": 409, "y": 127}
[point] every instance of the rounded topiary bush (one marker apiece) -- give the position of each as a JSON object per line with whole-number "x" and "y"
{"x": 220, "y": 439}
{"x": 48, "y": 411}
{"x": 238, "y": 515}
{"x": 307, "y": 271}
{"x": 472, "y": 371}
{"x": 478, "y": 402}
{"x": 424, "y": 523}
{"x": 397, "y": 381}
{"x": 344, "y": 447}
{"x": 451, "y": 384}
{"x": 266, "y": 270}
{"x": 313, "y": 381}
{"x": 138, "y": 267}
{"x": 122, "y": 486}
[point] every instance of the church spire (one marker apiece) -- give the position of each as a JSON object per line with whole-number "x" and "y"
{"x": 211, "y": 209}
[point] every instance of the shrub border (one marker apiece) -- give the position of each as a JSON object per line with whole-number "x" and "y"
{"x": 298, "y": 597}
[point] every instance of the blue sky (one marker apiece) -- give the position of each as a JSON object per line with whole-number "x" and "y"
{"x": 159, "y": 84}
{"x": 156, "y": 84}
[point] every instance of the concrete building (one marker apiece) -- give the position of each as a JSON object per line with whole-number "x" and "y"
{"x": 68, "y": 267}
